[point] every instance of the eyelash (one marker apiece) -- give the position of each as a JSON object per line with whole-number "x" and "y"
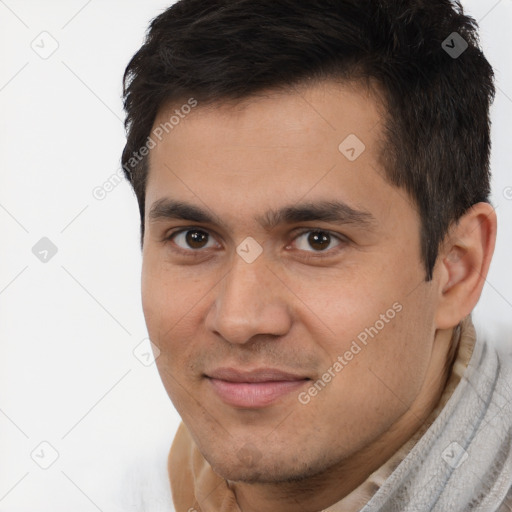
{"x": 307, "y": 255}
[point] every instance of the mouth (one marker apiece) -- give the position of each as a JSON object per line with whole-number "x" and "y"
{"x": 253, "y": 389}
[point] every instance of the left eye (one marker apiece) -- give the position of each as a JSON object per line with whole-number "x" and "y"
{"x": 316, "y": 241}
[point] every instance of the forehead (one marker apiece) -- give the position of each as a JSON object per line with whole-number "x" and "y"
{"x": 330, "y": 110}
{"x": 321, "y": 142}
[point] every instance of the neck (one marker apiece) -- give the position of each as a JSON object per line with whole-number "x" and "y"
{"x": 328, "y": 488}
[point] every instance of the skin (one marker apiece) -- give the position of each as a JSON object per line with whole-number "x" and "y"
{"x": 298, "y": 308}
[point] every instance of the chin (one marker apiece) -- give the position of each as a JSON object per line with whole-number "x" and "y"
{"x": 236, "y": 471}
{"x": 260, "y": 470}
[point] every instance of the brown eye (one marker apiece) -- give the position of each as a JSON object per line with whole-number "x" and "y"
{"x": 196, "y": 239}
{"x": 193, "y": 239}
{"x": 316, "y": 241}
{"x": 319, "y": 240}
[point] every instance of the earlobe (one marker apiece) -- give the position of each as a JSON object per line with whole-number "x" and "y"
{"x": 464, "y": 261}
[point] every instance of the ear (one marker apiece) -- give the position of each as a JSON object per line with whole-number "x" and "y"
{"x": 463, "y": 263}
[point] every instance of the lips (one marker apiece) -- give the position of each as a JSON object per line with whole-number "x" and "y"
{"x": 253, "y": 389}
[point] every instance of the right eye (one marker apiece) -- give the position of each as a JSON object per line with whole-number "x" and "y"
{"x": 193, "y": 240}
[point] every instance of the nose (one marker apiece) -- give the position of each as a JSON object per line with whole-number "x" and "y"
{"x": 250, "y": 301}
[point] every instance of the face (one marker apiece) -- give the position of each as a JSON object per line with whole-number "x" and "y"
{"x": 282, "y": 281}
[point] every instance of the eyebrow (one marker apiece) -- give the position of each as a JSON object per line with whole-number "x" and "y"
{"x": 326, "y": 211}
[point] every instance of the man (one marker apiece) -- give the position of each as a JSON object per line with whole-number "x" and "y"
{"x": 313, "y": 185}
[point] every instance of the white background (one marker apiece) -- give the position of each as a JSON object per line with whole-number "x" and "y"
{"x": 68, "y": 327}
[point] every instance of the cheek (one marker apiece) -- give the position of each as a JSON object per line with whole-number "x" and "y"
{"x": 382, "y": 332}
{"x": 169, "y": 295}
{"x": 378, "y": 379}
{"x": 396, "y": 345}
{"x": 348, "y": 307}
{"x": 174, "y": 303}
{"x": 157, "y": 300}
{"x": 168, "y": 315}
